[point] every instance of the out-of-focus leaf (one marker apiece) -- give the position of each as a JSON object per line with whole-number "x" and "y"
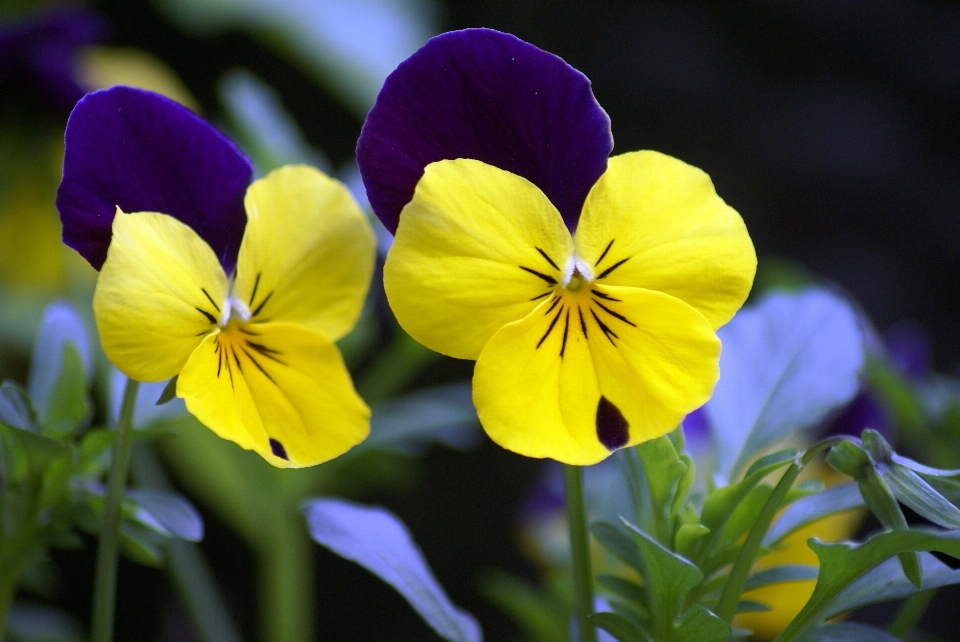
{"x": 167, "y": 513}
{"x": 377, "y": 540}
{"x": 29, "y": 622}
{"x": 887, "y": 583}
{"x": 146, "y": 412}
{"x": 270, "y": 135}
{"x": 442, "y": 415}
{"x": 781, "y": 574}
{"x": 619, "y": 627}
{"x": 622, "y": 588}
{"x": 541, "y": 618}
{"x": 786, "y": 363}
{"x": 14, "y": 407}
{"x": 848, "y": 632}
{"x": 809, "y": 509}
{"x": 351, "y": 44}
{"x": 141, "y": 544}
{"x": 617, "y": 541}
{"x": 60, "y": 326}
{"x": 67, "y": 405}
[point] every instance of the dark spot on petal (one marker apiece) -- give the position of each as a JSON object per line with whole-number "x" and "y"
{"x": 277, "y": 449}
{"x": 611, "y": 425}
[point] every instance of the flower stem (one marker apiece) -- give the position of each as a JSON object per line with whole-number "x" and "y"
{"x": 579, "y": 553}
{"x": 733, "y": 587}
{"x": 105, "y": 581}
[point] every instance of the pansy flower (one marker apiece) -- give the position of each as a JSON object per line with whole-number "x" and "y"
{"x": 238, "y": 289}
{"x": 588, "y": 289}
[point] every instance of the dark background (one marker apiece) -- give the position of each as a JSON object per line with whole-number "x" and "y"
{"x": 832, "y": 127}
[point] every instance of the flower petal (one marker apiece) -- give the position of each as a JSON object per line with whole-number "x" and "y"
{"x": 277, "y": 389}
{"x": 477, "y": 248}
{"x": 489, "y": 96}
{"x": 160, "y": 290}
{"x": 655, "y": 222}
{"x": 141, "y": 152}
{"x": 595, "y": 373}
{"x": 308, "y": 249}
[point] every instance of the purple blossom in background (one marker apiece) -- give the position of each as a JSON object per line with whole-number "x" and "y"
{"x": 142, "y": 152}
{"x": 41, "y": 49}
{"x": 453, "y": 99}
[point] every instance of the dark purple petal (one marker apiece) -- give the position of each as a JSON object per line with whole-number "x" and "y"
{"x": 488, "y": 96}
{"x": 145, "y": 153}
{"x": 42, "y": 47}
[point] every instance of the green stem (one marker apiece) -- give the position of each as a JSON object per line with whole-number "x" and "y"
{"x": 579, "y": 552}
{"x": 105, "y": 581}
{"x": 910, "y": 613}
{"x": 727, "y": 606}
{"x": 286, "y": 569}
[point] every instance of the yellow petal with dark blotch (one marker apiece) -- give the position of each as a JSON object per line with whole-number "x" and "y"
{"x": 585, "y": 374}
{"x": 307, "y": 253}
{"x": 278, "y": 389}
{"x": 655, "y": 222}
{"x": 476, "y": 248}
{"x": 158, "y": 293}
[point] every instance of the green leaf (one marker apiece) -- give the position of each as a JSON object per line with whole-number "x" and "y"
{"x": 619, "y": 627}
{"x": 622, "y": 588}
{"x": 668, "y": 578}
{"x": 924, "y": 470}
{"x": 688, "y": 536}
{"x": 843, "y": 563}
{"x": 781, "y": 575}
{"x": 721, "y": 503}
{"x": 169, "y": 391}
{"x": 810, "y": 509}
{"x": 912, "y": 491}
{"x": 749, "y": 606}
{"x": 700, "y": 625}
{"x": 15, "y": 407}
{"x": 787, "y": 362}
{"x": 848, "y": 632}
{"x": 140, "y": 544}
{"x": 746, "y": 513}
{"x": 886, "y": 583}
{"x": 67, "y": 406}
{"x": 662, "y": 469}
{"x": 30, "y": 622}
{"x": 618, "y": 542}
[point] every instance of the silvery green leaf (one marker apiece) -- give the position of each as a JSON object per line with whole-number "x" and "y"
{"x": 619, "y": 627}
{"x": 60, "y": 325}
{"x": 780, "y": 575}
{"x": 847, "y": 632}
{"x": 377, "y": 540}
{"x": 68, "y": 406}
{"x": 14, "y": 407}
{"x": 167, "y": 513}
{"x": 912, "y": 491}
{"x": 887, "y": 583}
{"x": 30, "y": 622}
{"x": 786, "y": 363}
{"x": 917, "y": 467}
{"x": 442, "y": 415}
{"x": 809, "y": 509}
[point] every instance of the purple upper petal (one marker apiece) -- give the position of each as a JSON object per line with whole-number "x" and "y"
{"x": 145, "y": 153}
{"x": 488, "y": 96}
{"x": 43, "y": 48}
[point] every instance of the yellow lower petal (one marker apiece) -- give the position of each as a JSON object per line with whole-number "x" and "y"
{"x": 277, "y": 389}
{"x": 587, "y": 373}
{"x": 158, "y": 293}
{"x": 476, "y": 248}
{"x": 657, "y": 223}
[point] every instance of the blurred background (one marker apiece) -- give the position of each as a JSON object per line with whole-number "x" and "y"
{"x": 833, "y": 128}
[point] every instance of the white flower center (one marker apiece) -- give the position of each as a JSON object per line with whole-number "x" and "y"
{"x": 575, "y": 274}
{"x": 234, "y": 309}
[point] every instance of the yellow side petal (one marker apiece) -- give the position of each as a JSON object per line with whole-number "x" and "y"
{"x": 278, "y": 389}
{"x": 658, "y": 224}
{"x": 587, "y": 373}
{"x": 159, "y": 291}
{"x": 307, "y": 252}
{"x": 476, "y": 248}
